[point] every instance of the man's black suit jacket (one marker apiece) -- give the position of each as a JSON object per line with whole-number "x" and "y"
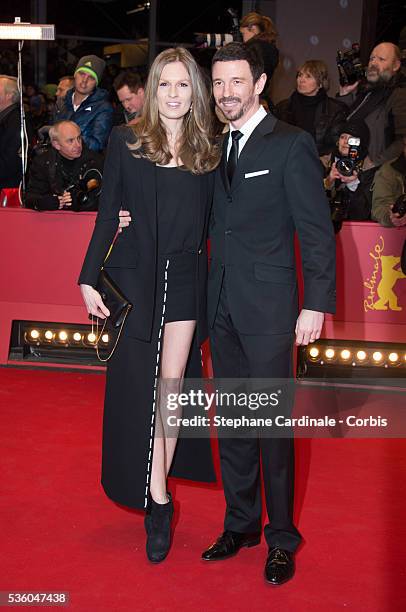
{"x": 277, "y": 190}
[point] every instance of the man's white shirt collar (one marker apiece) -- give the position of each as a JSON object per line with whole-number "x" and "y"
{"x": 247, "y": 129}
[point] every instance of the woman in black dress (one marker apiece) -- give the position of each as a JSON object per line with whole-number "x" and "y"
{"x": 160, "y": 170}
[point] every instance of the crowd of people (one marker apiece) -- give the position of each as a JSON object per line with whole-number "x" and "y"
{"x": 372, "y": 110}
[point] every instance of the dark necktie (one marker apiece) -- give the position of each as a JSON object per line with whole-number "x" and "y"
{"x": 233, "y": 155}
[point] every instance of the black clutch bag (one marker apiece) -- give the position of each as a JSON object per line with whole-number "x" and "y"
{"x": 118, "y": 305}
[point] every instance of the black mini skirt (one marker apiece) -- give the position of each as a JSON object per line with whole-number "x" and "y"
{"x": 180, "y": 301}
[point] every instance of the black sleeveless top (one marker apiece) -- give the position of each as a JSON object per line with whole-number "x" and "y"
{"x": 177, "y": 192}
{"x": 177, "y": 196}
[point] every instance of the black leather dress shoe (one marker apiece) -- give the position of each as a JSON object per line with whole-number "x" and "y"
{"x": 279, "y": 566}
{"x": 229, "y": 543}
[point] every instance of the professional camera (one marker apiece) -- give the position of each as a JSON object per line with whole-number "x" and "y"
{"x": 399, "y": 206}
{"x": 206, "y": 40}
{"x": 86, "y": 191}
{"x": 347, "y": 165}
{"x": 349, "y": 65}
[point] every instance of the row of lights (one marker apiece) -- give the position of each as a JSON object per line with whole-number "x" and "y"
{"x": 360, "y": 357}
{"x": 37, "y": 336}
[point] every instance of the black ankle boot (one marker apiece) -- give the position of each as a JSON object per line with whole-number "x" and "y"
{"x": 158, "y": 527}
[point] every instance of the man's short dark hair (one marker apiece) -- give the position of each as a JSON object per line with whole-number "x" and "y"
{"x": 236, "y": 51}
{"x": 132, "y": 79}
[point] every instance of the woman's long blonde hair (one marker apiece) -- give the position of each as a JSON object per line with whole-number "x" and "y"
{"x": 197, "y": 148}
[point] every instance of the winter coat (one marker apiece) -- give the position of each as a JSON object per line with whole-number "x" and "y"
{"x": 94, "y": 117}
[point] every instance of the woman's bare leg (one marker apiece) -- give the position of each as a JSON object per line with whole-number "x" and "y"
{"x": 177, "y": 339}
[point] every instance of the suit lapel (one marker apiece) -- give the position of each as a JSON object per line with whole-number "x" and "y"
{"x": 252, "y": 149}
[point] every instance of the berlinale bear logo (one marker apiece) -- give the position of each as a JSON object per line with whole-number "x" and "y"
{"x": 381, "y": 294}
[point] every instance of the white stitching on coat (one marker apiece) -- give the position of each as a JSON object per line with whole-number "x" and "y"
{"x": 155, "y": 384}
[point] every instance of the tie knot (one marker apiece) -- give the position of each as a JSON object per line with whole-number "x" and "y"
{"x": 236, "y": 135}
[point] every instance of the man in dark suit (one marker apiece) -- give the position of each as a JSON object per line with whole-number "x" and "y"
{"x": 268, "y": 186}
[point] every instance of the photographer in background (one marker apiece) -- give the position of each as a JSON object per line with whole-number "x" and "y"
{"x": 381, "y": 102}
{"x": 67, "y": 175}
{"x": 389, "y": 192}
{"x": 130, "y": 91}
{"x": 347, "y": 184}
{"x": 259, "y": 31}
{"x": 310, "y": 108}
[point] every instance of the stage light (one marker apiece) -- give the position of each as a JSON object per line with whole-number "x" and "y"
{"x": 105, "y": 338}
{"x": 21, "y": 32}
{"x": 63, "y": 336}
{"x": 342, "y": 358}
{"x": 91, "y": 338}
{"x": 34, "y": 334}
{"x": 77, "y": 337}
{"x": 49, "y": 335}
{"x": 26, "y": 31}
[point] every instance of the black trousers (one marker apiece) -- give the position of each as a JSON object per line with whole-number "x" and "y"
{"x": 236, "y": 355}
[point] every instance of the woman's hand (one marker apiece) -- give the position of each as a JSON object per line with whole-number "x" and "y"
{"x": 334, "y": 174}
{"x": 94, "y": 303}
{"x": 124, "y": 218}
{"x": 349, "y": 179}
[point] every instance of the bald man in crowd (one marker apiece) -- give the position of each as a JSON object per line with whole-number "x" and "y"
{"x": 66, "y": 176}
{"x": 10, "y": 138}
{"x": 381, "y": 103}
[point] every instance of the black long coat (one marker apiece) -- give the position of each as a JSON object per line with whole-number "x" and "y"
{"x": 129, "y": 415}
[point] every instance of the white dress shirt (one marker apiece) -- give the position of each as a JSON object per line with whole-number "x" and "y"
{"x": 246, "y": 130}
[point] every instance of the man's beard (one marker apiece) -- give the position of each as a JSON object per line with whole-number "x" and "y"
{"x": 379, "y": 79}
{"x": 239, "y": 112}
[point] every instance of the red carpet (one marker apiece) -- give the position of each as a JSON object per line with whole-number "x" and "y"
{"x": 60, "y": 532}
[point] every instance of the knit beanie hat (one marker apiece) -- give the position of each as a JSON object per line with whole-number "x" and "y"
{"x": 93, "y": 65}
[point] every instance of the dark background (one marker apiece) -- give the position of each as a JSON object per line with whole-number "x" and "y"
{"x": 177, "y": 21}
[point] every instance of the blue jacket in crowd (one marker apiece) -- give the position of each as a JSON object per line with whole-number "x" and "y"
{"x": 94, "y": 117}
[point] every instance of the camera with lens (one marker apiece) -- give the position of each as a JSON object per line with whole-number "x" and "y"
{"x": 399, "y": 206}
{"x": 85, "y": 191}
{"x": 351, "y": 162}
{"x": 350, "y": 68}
{"x": 207, "y": 40}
